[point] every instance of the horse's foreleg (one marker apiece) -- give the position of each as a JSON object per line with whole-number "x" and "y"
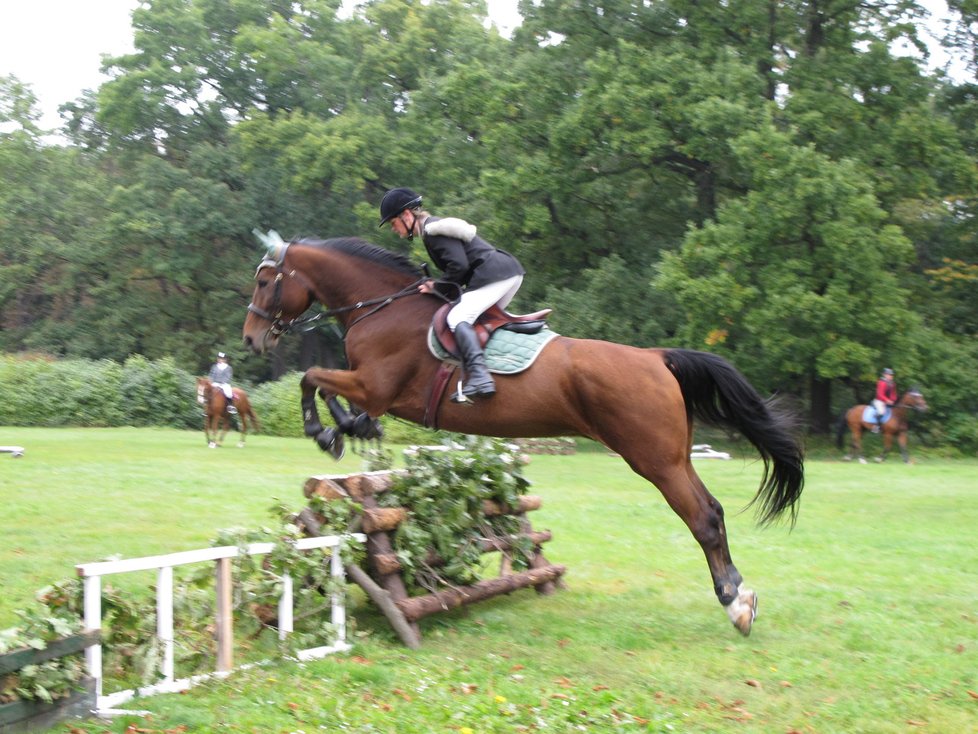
{"x": 887, "y": 446}
{"x": 329, "y": 384}
{"x": 902, "y": 443}
{"x": 243, "y": 426}
{"x": 353, "y": 422}
{"x": 222, "y": 424}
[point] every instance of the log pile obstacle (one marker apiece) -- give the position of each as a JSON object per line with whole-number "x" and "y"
{"x": 383, "y": 581}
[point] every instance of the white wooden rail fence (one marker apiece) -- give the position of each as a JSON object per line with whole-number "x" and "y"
{"x": 92, "y": 574}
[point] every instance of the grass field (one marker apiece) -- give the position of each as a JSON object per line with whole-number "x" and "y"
{"x": 868, "y": 618}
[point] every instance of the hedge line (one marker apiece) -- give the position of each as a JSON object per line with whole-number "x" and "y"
{"x": 42, "y": 391}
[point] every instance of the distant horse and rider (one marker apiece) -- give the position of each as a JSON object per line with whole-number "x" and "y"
{"x": 893, "y": 423}
{"x": 640, "y": 403}
{"x": 218, "y": 414}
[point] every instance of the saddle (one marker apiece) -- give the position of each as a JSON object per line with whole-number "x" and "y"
{"x": 869, "y": 415}
{"x": 493, "y": 319}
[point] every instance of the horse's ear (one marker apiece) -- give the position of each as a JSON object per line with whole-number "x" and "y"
{"x": 273, "y": 243}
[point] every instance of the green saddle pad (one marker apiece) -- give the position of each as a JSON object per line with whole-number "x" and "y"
{"x": 506, "y": 353}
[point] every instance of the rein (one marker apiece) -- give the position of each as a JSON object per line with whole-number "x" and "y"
{"x": 280, "y": 327}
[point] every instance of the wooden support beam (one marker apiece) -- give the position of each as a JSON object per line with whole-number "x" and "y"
{"x": 419, "y": 607}
{"x": 408, "y": 632}
{"x": 389, "y": 563}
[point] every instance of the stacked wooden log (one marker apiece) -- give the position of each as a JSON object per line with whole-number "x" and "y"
{"x": 556, "y": 445}
{"x": 382, "y": 579}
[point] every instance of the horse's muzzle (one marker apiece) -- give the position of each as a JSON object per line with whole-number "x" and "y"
{"x": 259, "y": 344}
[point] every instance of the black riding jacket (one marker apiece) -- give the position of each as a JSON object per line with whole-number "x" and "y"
{"x": 468, "y": 265}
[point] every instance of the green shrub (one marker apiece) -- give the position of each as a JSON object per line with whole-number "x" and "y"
{"x": 72, "y": 392}
{"x": 444, "y": 492}
{"x": 277, "y": 406}
{"x": 159, "y": 394}
{"x": 962, "y": 431}
{"x": 40, "y": 391}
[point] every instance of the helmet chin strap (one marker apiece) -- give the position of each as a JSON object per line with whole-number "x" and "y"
{"x": 414, "y": 220}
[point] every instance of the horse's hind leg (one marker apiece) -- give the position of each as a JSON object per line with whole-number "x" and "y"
{"x": 703, "y": 515}
{"x": 710, "y": 531}
{"x": 857, "y": 443}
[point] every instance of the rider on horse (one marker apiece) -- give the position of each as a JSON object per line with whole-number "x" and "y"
{"x": 886, "y": 397}
{"x": 220, "y": 376}
{"x": 475, "y": 273}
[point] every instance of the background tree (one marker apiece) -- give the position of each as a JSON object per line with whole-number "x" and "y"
{"x": 778, "y": 182}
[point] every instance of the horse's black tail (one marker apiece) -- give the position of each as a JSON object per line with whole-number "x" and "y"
{"x": 840, "y": 431}
{"x": 717, "y": 393}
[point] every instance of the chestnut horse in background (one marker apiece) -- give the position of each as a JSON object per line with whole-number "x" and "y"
{"x": 897, "y": 425}
{"x": 640, "y": 403}
{"x": 217, "y": 419}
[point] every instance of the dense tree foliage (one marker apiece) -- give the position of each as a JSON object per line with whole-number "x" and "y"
{"x": 779, "y": 182}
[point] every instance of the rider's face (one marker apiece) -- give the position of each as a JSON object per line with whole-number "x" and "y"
{"x": 399, "y": 227}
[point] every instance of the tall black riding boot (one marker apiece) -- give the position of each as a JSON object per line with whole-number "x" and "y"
{"x": 478, "y": 381}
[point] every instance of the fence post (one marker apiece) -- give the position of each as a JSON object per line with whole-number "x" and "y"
{"x": 93, "y": 621}
{"x": 338, "y": 616}
{"x": 164, "y": 619}
{"x": 225, "y": 629}
{"x": 285, "y": 607}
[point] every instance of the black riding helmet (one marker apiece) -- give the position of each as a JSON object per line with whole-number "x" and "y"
{"x": 395, "y": 201}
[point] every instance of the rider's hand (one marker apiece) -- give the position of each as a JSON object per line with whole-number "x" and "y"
{"x": 427, "y": 287}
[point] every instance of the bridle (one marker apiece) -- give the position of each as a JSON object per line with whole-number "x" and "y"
{"x": 280, "y": 326}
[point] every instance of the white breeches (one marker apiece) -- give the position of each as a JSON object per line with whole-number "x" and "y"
{"x": 474, "y": 303}
{"x": 880, "y": 407}
{"x": 224, "y": 388}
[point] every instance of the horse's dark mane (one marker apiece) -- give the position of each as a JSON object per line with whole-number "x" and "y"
{"x": 361, "y": 248}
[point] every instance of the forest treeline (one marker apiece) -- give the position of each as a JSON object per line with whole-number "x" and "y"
{"x": 787, "y": 184}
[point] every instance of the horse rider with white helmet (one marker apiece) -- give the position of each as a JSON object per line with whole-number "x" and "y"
{"x": 220, "y": 377}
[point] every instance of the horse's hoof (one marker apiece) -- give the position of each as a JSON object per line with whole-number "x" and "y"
{"x": 313, "y": 429}
{"x": 240, "y": 444}
{"x": 847, "y": 458}
{"x": 862, "y": 460}
{"x": 212, "y": 445}
{"x": 331, "y": 441}
{"x": 878, "y": 460}
{"x": 743, "y": 610}
{"x": 366, "y": 427}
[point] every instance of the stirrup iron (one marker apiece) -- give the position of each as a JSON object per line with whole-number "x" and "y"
{"x": 459, "y": 397}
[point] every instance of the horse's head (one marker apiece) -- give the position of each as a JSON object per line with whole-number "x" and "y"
{"x": 203, "y": 390}
{"x": 279, "y": 299}
{"x": 915, "y": 399}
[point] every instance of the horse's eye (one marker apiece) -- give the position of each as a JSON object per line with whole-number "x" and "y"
{"x": 262, "y": 282}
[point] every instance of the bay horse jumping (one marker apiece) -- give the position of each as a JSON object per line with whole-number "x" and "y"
{"x": 897, "y": 425}
{"x": 640, "y": 403}
{"x": 217, "y": 418}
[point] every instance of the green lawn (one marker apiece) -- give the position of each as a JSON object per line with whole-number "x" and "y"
{"x": 868, "y": 618}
